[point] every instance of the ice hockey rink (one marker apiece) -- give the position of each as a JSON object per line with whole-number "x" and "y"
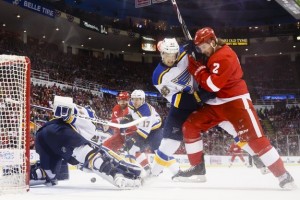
{"x": 223, "y": 183}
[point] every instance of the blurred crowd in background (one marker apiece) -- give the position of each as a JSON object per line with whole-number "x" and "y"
{"x": 265, "y": 76}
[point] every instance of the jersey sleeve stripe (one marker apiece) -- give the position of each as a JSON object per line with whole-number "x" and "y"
{"x": 142, "y": 133}
{"x": 139, "y": 114}
{"x": 162, "y": 74}
{"x": 198, "y": 99}
{"x": 156, "y": 125}
{"x": 131, "y": 107}
{"x": 73, "y": 127}
{"x": 163, "y": 162}
{"x": 211, "y": 85}
{"x": 194, "y": 147}
{"x": 181, "y": 56}
{"x": 177, "y": 100}
{"x": 71, "y": 120}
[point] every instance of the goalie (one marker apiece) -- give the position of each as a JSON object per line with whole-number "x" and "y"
{"x": 68, "y": 137}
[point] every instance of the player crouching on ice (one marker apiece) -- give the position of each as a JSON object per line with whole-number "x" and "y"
{"x": 68, "y": 137}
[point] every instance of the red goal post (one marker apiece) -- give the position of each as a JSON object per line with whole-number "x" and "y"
{"x": 14, "y": 123}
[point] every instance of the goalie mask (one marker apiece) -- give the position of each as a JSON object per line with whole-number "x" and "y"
{"x": 169, "y": 51}
{"x": 63, "y": 106}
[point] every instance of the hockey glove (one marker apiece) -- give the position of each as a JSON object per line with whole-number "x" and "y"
{"x": 189, "y": 47}
{"x": 202, "y": 96}
{"x": 130, "y": 141}
{"x": 195, "y": 67}
{"x": 124, "y": 120}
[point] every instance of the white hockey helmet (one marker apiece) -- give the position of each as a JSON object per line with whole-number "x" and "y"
{"x": 139, "y": 94}
{"x": 136, "y": 95}
{"x": 168, "y": 45}
{"x": 169, "y": 51}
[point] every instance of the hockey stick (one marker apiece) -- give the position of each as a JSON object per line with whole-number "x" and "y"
{"x": 181, "y": 21}
{"x": 96, "y": 120}
{"x": 185, "y": 30}
{"x": 102, "y": 121}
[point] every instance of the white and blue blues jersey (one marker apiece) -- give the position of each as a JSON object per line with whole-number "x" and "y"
{"x": 153, "y": 121}
{"x": 82, "y": 124}
{"x": 173, "y": 82}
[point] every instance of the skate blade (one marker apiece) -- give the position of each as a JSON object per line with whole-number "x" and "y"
{"x": 192, "y": 179}
{"x": 290, "y": 186}
{"x": 37, "y": 182}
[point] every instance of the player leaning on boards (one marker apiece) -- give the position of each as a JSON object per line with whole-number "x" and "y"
{"x": 68, "y": 137}
{"x": 223, "y": 75}
{"x": 172, "y": 80}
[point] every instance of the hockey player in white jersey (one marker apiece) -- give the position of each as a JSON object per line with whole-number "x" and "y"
{"x": 174, "y": 82}
{"x": 68, "y": 137}
{"x": 148, "y": 133}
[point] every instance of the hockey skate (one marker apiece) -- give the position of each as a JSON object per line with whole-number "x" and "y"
{"x": 51, "y": 182}
{"x": 193, "y": 174}
{"x": 286, "y": 181}
{"x": 38, "y": 176}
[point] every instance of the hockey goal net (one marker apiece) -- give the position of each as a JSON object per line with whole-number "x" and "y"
{"x": 14, "y": 123}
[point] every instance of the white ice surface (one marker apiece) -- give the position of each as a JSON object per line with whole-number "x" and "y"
{"x": 223, "y": 183}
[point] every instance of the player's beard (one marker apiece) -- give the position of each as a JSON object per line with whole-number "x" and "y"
{"x": 123, "y": 106}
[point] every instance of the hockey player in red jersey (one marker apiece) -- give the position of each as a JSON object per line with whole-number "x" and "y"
{"x": 235, "y": 151}
{"x": 119, "y": 111}
{"x": 223, "y": 75}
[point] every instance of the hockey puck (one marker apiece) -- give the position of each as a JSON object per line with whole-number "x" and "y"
{"x": 93, "y": 180}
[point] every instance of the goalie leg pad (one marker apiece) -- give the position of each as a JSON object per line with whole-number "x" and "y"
{"x": 36, "y": 172}
{"x": 39, "y": 176}
{"x": 109, "y": 166}
{"x": 105, "y": 161}
{"x": 119, "y": 165}
{"x": 116, "y": 170}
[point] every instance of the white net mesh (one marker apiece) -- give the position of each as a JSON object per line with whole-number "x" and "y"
{"x": 14, "y": 119}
